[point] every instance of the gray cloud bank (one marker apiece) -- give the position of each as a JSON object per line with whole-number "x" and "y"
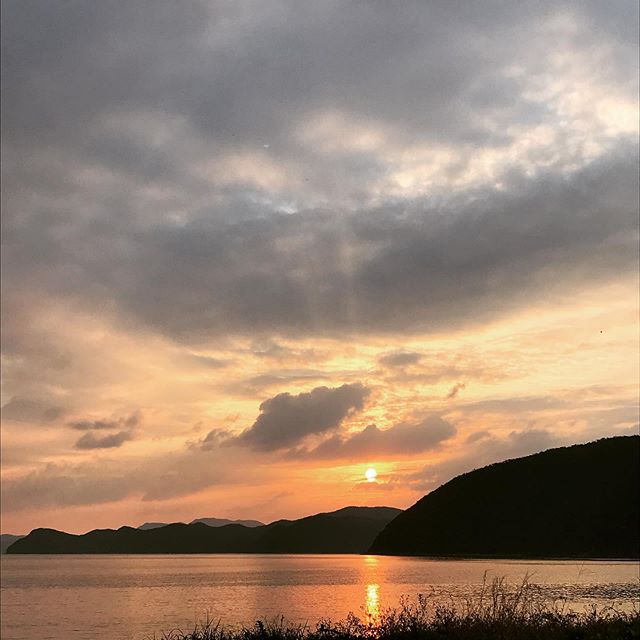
{"x": 153, "y": 155}
{"x": 422, "y": 269}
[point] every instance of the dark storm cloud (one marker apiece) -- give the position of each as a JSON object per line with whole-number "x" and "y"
{"x": 111, "y": 441}
{"x": 111, "y": 113}
{"x": 402, "y": 439}
{"x": 287, "y": 419}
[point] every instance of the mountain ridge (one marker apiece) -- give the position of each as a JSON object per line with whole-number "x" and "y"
{"x": 351, "y": 531}
{"x": 210, "y": 522}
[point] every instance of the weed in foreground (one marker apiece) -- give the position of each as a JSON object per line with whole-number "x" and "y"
{"x": 498, "y": 612}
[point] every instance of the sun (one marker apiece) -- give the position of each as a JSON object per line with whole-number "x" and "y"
{"x": 371, "y": 474}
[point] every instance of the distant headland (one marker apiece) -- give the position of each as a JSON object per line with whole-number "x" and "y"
{"x": 581, "y": 501}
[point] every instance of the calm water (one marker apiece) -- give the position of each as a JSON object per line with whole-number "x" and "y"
{"x": 100, "y": 597}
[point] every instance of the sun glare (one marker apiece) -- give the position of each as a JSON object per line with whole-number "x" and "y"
{"x": 371, "y": 474}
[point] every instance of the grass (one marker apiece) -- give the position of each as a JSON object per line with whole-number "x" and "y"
{"x": 498, "y": 612}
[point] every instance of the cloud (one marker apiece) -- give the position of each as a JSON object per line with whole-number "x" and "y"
{"x": 276, "y": 377}
{"x": 271, "y": 350}
{"x": 101, "y": 133}
{"x": 477, "y": 435}
{"x": 401, "y": 439}
{"x": 25, "y": 410}
{"x": 130, "y": 422}
{"x": 207, "y": 361}
{"x": 517, "y": 404}
{"x": 440, "y": 365}
{"x": 455, "y": 390}
{"x": 416, "y": 268}
{"x": 400, "y": 359}
{"x": 150, "y": 478}
{"x": 287, "y": 419}
{"x": 126, "y": 424}
{"x": 464, "y": 90}
{"x": 64, "y": 485}
{"x": 214, "y": 439}
{"x": 483, "y": 449}
{"x": 111, "y": 441}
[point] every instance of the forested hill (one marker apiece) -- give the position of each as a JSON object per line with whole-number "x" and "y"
{"x": 579, "y": 501}
{"x": 349, "y": 530}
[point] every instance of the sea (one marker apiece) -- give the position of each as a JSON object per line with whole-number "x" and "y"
{"x": 56, "y": 597}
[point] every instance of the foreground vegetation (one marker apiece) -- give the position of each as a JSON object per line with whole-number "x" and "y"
{"x": 497, "y": 613}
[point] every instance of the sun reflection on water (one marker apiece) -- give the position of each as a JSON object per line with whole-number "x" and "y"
{"x": 372, "y": 603}
{"x": 371, "y": 581}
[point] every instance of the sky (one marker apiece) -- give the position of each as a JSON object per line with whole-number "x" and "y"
{"x": 251, "y": 249}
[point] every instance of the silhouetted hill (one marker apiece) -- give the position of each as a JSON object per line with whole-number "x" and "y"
{"x": 210, "y": 522}
{"x": 325, "y": 532}
{"x": 579, "y": 501}
{"x": 6, "y": 540}
{"x": 322, "y": 533}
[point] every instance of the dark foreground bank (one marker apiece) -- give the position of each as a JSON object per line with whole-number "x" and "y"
{"x": 498, "y": 613}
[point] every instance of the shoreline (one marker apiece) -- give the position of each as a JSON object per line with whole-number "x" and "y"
{"x": 474, "y": 558}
